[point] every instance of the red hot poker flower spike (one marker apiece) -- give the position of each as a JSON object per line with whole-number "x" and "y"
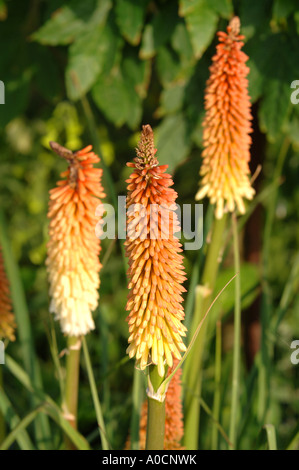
{"x": 227, "y": 125}
{"x": 73, "y": 250}
{"x": 156, "y": 269}
{"x": 7, "y": 322}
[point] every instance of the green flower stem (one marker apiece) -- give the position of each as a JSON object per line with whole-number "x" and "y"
{"x": 95, "y": 397}
{"x": 2, "y": 421}
{"x": 192, "y": 374}
{"x": 137, "y": 397}
{"x": 217, "y": 393}
{"x": 72, "y": 384}
{"x": 237, "y": 339}
{"x": 156, "y": 415}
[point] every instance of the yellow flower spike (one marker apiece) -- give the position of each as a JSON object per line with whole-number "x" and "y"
{"x": 156, "y": 271}
{"x": 73, "y": 250}
{"x": 227, "y": 125}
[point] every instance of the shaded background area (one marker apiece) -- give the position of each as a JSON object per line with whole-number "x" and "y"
{"x": 95, "y": 71}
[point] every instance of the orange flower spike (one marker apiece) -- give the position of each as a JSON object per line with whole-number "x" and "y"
{"x": 227, "y": 125}
{"x": 156, "y": 269}
{"x": 174, "y": 427}
{"x": 73, "y": 250}
{"x": 7, "y": 322}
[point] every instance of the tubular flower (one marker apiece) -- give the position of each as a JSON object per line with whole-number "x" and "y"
{"x": 156, "y": 270}
{"x": 226, "y": 140}
{"x": 7, "y": 322}
{"x": 73, "y": 250}
{"x": 174, "y": 428}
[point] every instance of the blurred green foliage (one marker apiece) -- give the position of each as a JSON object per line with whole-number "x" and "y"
{"x": 132, "y": 62}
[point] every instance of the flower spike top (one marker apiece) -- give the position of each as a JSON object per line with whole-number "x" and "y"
{"x": 227, "y": 125}
{"x": 7, "y": 322}
{"x": 156, "y": 269}
{"x": 73, "y": 249}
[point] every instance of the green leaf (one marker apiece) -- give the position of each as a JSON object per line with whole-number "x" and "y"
{"x": 117, "y": 99}
{"x": 172, "y": 141}
{"x": 158, "y": 31}
{"x": 91, "y": 54}
{"x": 275, "y": 108}
{"x": 130, "y": 16}
{"x": 224, "y": 8}
{"x": 250, "y": 279}
{"x": 273, "y": 82}
{"x": 180, "y": 41}
{"x": 172, "y": 99}
{"x": 201, "y": 21}
{"x": 70, "y": 21}
{"x": 283, "y": 8}
{"x": 187, "y": 6}
{"x": 255, "y": 16}
{"x": 61, "y": 29}
{"x": 168, "y": 66}
{"x": 256, "y": 75}
{"x": 137, "y": 72}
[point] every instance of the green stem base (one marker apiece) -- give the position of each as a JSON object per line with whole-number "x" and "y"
{"x": 156, "y": 415}
{"x": 72, "y": 384}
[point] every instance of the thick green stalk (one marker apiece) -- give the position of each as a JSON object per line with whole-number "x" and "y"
{"x": 156, "y": 415}
{"x": 237, "y": 339}
{"x": 192, "y": 373}
{"x": 2, "y": 421}
{"x": 217, "y": 394}
{"x": 72, "y": 384}
{"x": 137, "y": 397}
{"x": 95, "y": 397}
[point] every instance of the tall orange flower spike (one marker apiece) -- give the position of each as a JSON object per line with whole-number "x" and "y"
{"x": 156, "y": 269}
{"x": 7, "y": 322}
{"x": 73, "y": 250}
{"x": 174, "y": 427}
{"x": 227, "y": 125}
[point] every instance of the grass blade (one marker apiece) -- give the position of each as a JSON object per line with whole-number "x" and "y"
{"x": 13, "y": 420}
{"x": 50, "y": 407}
{"x": 271, "y": 436}
{"x": 24, "y": 331}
